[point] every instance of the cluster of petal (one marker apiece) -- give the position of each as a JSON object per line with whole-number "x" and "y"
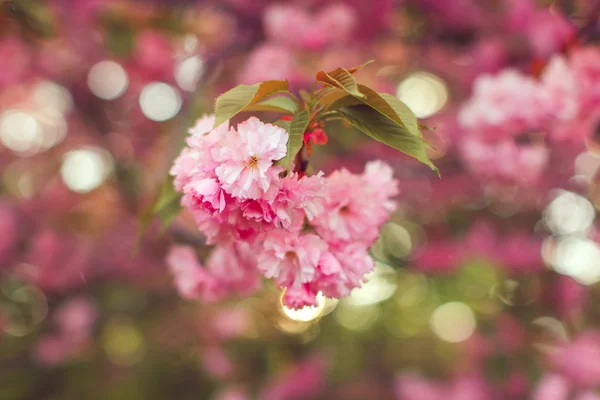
{"x": 309, "y": 234}
{"x": 513, "y": 120}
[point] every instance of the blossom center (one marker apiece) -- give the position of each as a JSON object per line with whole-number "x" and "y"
{"x": 252, "y": 162}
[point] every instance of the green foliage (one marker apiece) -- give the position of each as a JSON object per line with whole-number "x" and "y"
{"x": 281, "y": 104}
{"x": 242, "y": 97}
{"x": 340, "y": 78}
{"x": 381, "y": 116}
{"x": 296, "y": 129}
{"x": 383, "y": 129}
{"x": 166, "y": 207}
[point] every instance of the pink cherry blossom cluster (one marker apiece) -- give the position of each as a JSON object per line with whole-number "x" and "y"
{"x": 74, "y": 321}
{"x": 308, "y": 233}
{"x": 551, "y": 112}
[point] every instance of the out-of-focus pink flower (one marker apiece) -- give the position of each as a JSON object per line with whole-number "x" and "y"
{"x": 548, "y": 32}
{"x": 552, "y": 387}
{"x": 300, "y": 296}
{"x": 289, "y": 258}
{"x": 440, "y": 256}
{"x": 216, "y": 362}
{"x": 271, "y": 61}
{"x": 50, "y": 351}
{"x": 189, "y": 275}
{"x": 520, "y": 253}
{"x": 9, "y": 233}
{"x": 505, "y": 160}
{"x": 556, "y": 387}
{"x": 516, "y": 386}
{"x": 586, "y": 70}
{"x": 471, "y": 387}
{"x": 304, "y": 381}
{"x": 579, "y": 361}
{"x": 18, "y": 59}
{"x": 230, "y": 323}
{"x": 293, "y": 26}
{"x": 560, "y": 89}
{"x": 232, "y": 393}
{"x": 247, "y": 155}
{"x": 566, "y": 295}
{"x": 510, "y": 333}
{"x": 352, "y": 262}
{"x": 337, "y": 22}
{"x": 502, "y": 105}
{"x": 348, "y": 217}
{"x": 56, "y": 261}
{"x": 154, "y": 56}
{"x": 75, "y": 318}
{"x": 233, "y": 268}
{"x": 416, "y": 387}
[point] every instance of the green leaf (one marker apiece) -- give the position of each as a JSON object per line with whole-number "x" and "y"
{"x": 166, "y": 207}
{"x": 409, "y": 120}
{"x": 385, "y": 130}
{"x": 282, "y": 104}
{"x": 359, "y": 67}
{"x": 331, "y": 96}
{"x": 297, "y": 127}
{"x": 242, "y": 96}
{"x": 340, "y": 78}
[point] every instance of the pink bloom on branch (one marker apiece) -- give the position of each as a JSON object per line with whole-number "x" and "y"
{"x": 297, "y": 297}
{"x": 348, "y": 217}
{"x": 579, "y": 361}
{"x": 586, "y": 69}
{"x": 304, "y": 381}
{"x": 343, "y": 269}
{"x": 560, "y": 89}
{"x": 206, "y": 194}
{"x": 75, "y": 318}
{"x": 501, "y": 105}
{"x": 289, "y": 258}
{"x": 245, "y": 158}
{"x": 188, "y": 273}
{"x": 50, "y": 351}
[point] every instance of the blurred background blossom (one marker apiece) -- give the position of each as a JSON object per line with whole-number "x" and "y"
{"x": 486, "y": 280}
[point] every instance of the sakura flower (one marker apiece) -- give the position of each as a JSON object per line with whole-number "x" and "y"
{"x": 345, "y": 217}
{"x": 203, "y": 134}
{"x": 304, "y": 381}
{"x": 75, "y": 317}
{"x": 297, "y": 297}
{"x": 232, "y": 393}
{"x": 245, "y": 158}
{"x": 560, "y": 89}
{"x": 505, "y": 160}
{"x": 189, "y": 276}
{"x": 205, "y": 193}
{"x": 50, "y": 351}
{"x": 557, "y": 387}
{"x": 579, "y": 361}
{"x": 502, "y": 105}
{"x": 586, "y": 69}
{"x": 289, "y": 258}
{"x": 233, "y": 268}
{"x": 185, "y": 166}
{"x": 217, "y": 363}
{"x": 337, "y": 22}
{"x": 381, "y": 187}
{"x": 271, "y": 61}
{"x": 342, "y": 269}
{"x": 296, "y": 198}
